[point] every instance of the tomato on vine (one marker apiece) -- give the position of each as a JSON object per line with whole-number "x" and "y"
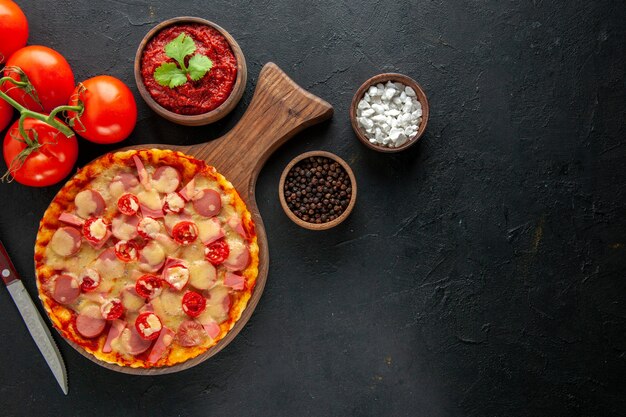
{"x": 109, "y": 110}
{"x": 13, "y": 29}
{"x": 38, "y": 149}
{"x": 38, "y": 154}
{"x": 42, "y": 78}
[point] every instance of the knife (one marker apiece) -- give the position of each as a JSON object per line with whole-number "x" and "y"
{"x": 36, "y": 326}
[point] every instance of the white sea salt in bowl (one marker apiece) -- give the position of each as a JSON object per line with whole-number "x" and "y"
{"x": 389, "y": 112}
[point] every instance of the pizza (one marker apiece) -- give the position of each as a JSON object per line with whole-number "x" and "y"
{"x": 146, "y": 258}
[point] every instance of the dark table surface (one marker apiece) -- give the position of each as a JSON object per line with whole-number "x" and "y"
{"x": 482, "y": 272}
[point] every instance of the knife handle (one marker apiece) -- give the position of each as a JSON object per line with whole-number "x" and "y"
{"x": 7, "y": 270}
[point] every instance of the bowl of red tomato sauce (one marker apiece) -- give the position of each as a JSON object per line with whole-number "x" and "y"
{"x": 190, "y": 71}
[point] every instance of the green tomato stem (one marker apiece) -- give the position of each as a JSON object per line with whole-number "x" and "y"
{"x": 23, "y": 133}
{"x": 49, "y": 119}
{"x": 78, "y": 108}
{"x": 14, "y": 81}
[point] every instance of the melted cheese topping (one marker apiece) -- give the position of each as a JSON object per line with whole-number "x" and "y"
{"x": 116, "y": 188}
{"x": 175, "y": 202}
{"x": 132, "y": 302}
{"x": 237, "y": 247}
{"x": 169, "y": 307}
{"x": 92, "y": 310}
{"x": 133, "y": 204}
{"x": 91, "y": 274}
{"x": 62, "y": 243}
{"x": 153, "y": 325}
{"x": 74, "y": 281}
{"x": 193, "y": 252}
{"x": 168, "y": 181}
{"x": 215, "y": 304}
{"x": 98, "y": 229}
{"x": 153, "y": 253}
{"x": 150, "y": 227}
{"x": 85, "y": 204}
{"x": 109, "y": 269}
{"x": 169, "y": 245}
{"x": 108, "y": 306}
{"x": 171, "y": 219}
{"x": 177, "y": 276}
{"x": 209, "y": 230}
{"x": 150, "y": 199}
{"x": 122, "y": 229}
{"x": 202, "y": 275}
{"x": 121, "y": 343}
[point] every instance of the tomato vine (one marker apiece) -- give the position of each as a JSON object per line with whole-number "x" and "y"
{"x": 24, "y": 112}
{"x": 32, "y": 143}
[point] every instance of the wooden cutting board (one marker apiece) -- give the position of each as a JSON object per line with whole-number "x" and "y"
{"x": 279, "y": 109}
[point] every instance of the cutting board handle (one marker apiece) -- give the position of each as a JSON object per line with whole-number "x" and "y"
{"x": 279, "y": 109}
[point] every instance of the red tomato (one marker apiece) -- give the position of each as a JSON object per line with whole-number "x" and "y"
{"x": 112, "y": 309}
{"x": 193, "y": 304}
{"x": 89, "y": 280}
{"x": 185, "y": 232}
{"x": 110, "y": 111}
{"x": 217, "y": 252}
{"x": 48, "y": 72}
{"x": 6, "y": 114}
{"x": 149, "y": 286}
{"x": 126, "y": 251}
{"x": 148, "y": 326}
{"x": 128, "y": 204}
{"x": 191, "y": 333}
{"x": 87, "y": 234}
{"x": 49, "y": 164}
{"x": 13, "y": 29}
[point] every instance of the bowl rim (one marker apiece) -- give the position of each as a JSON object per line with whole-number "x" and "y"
{"x": 382, "y": 78}
{"x": 291, "y": 214}
{"x": 196, "y": 119}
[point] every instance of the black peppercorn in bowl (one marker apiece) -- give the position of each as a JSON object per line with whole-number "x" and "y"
{"x": 317, "y": 190}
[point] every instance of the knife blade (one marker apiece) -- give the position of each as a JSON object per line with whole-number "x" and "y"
{"x": 34, "y": 322}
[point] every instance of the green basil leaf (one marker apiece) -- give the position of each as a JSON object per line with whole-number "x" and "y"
{"x": 169, "y": 75}
{"x": 198, "y": 66}
{"x": 180, "y": 47}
